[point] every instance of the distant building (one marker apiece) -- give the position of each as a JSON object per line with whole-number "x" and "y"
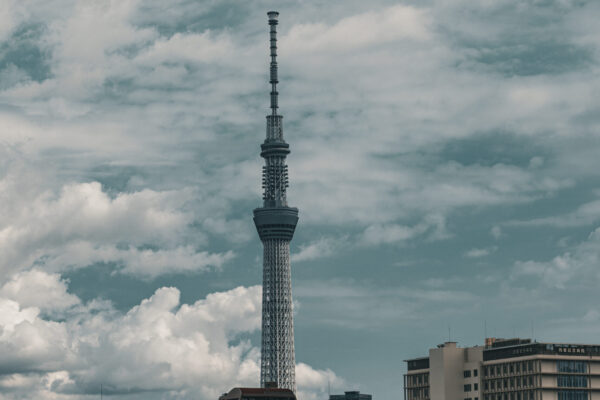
{"x": 354, "y": 395}
{"x": 268, "y": 393}
{"x": 505, "y": 369}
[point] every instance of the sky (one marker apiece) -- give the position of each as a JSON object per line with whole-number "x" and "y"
{"x": 444, "y": 159}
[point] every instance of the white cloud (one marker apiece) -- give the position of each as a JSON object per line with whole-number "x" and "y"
{"x": 320, "y": 248}
{"x": 11, "y": 14}
{"x": 83, "y": 225}
{"x": 355, "y": 32}
{"x": 36, "y": 288}
{"x": 576, "y": 267}
{"x": 199, "y": 48}
{"x": 586, "y": 214}
{"x": 179, "y": 350}
{"x": 478, "y": 253}
{"x": 314, "y": 383}
{"x": 143, "y": 263}
{"x": 392, "y": 233}
{"x": 434, "y": 225}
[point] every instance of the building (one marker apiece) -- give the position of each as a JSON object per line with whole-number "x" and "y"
{"x": 513, "y": 369}
{"x": 354, "y": 395}
{"x": 258, "y": 394}
{"x": 276, "y": 223}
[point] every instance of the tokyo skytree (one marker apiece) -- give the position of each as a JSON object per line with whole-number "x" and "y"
{"x": 275, "y": 223}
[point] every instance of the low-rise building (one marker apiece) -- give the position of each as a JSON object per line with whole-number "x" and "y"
{"x": 352, "y": 395}
{"x": 513, "y": 369}
{"x": 268, "y": 393}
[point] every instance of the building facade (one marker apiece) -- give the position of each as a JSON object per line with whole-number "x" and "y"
{"x": 258, "y": 394}
{"x": 352, "y": 395}
{"x": 514, "y": 369}
{"x": 276, "y": 223}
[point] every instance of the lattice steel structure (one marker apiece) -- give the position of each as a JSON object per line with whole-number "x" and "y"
{"x": 275, "y": 223}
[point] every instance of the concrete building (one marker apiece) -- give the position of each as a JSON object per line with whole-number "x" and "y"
{"x": 353, "y": 395}
{"x": 267, "y": 393}
{"x": 513, "y": 369}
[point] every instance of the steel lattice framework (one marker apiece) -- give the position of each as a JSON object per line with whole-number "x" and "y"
{"x": 275, "y": 223}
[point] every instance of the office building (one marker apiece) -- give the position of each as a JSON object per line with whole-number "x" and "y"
{"x": 513, "y": 369}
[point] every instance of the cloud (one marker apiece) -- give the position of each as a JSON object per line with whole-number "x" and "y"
{"x": 36, "y": 288}
{"x": 360, "y": 305}
{"x": 478, "y": 253}
{"x": 586, "y": 214}
{"x": 435, "y": 225}
{"x": 159, "y": 347}
{"x": 143, "y": 232}
{"x": 358, "y": 31}
{"x": 572, "y": 268}
{"x": 320, "y": 248}
{"x": 496, "y": 232}
{"x": 314, "y": 383}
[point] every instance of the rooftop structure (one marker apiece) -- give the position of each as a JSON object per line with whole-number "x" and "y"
{"x": 258, "y": 394}
{"x": 505, "y": 369}
{"x": 353, "y": 395}
{"x": 275, "y": 223}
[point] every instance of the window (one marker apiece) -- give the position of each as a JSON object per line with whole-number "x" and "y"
{"x": 572, "y": 395}
{"x": 504, "y": 368}
{"x": 467, "y": 373}
{"x": 571, "y": 381}
{"x": 512, "y": 368}
{"x": 467, "y": 387}
{"x": 571, "y": 366}
{"x": 476, "y": 386}
{"x": 475, "y": 372}
{"x": 485, "y": 371}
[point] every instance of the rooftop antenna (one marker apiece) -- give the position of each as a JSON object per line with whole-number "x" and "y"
{"x": 485, "y": 329}
{"x": 449, "y": 335}
{"x": 328, "y": 387}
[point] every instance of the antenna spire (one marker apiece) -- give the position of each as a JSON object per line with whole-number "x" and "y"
{"x": 273, "y": 21}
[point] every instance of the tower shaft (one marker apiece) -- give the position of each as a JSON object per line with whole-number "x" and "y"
{"x": 275, "y": 223}
{"x": 278, "y": 361}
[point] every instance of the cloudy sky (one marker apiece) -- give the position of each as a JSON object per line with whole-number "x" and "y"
{"x": 445, "y": 161}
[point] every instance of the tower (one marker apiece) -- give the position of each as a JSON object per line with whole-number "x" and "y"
{"x": 275, "y": 223}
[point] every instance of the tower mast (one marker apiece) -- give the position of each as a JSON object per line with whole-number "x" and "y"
{"x": 275, "y": 223}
